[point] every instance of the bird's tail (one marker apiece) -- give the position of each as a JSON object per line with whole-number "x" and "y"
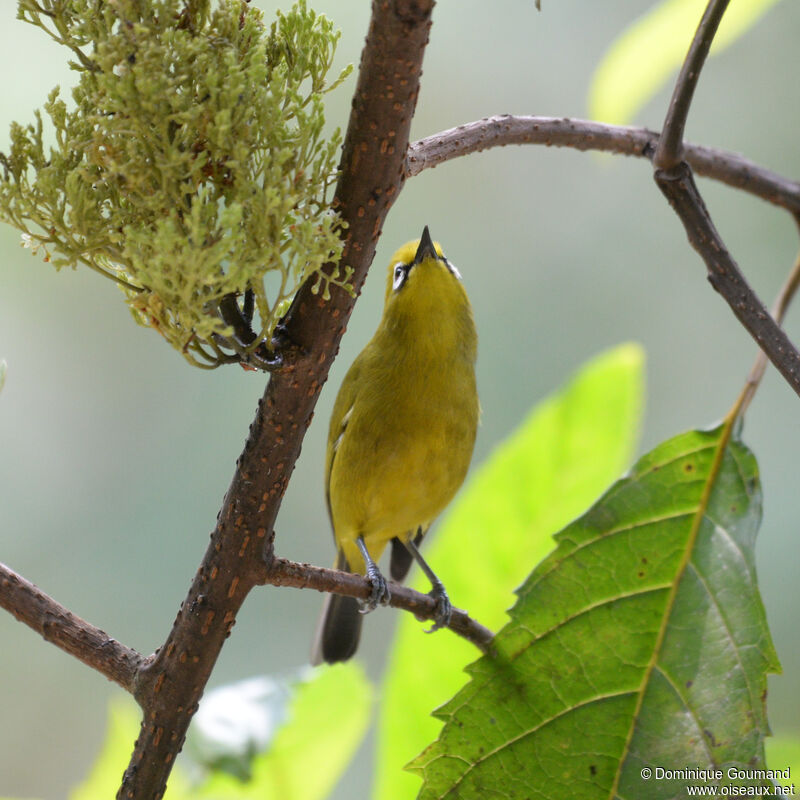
{"x": 339, "y": 626}
{"x": 401, "y": 560}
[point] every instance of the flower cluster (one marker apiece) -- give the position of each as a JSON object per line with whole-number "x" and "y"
{"x": 191, "y": 166}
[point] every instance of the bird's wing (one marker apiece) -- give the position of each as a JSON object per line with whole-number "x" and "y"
{"x": 342, "y": 410}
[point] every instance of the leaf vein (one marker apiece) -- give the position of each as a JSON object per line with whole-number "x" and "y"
{"x": 544, "y": 723}
{"x": 691, "y": 512}
{"x": 587, "y": 609}
{"x": 685, "y": 703}
{"x": 728, "y": 630}
{"x": 702, "y": 508}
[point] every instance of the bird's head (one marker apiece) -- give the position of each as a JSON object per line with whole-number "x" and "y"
{"x": 420, "y": 276}
{"x": 427, "y": 307}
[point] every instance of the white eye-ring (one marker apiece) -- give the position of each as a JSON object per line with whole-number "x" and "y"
{"x": 452, "y": 267}
{"x": 400, "y": 275}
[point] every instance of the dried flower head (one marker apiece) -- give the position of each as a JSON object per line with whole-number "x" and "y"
{"x": 191, "y": 168}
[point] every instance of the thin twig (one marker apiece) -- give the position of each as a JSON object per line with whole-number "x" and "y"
{"x": 779, "y": 309}
{"x": 499, "y": 131}
{"x": 669, "y": 152}
{"x": 64, "y": 629}
{"x": 724, "y": 275}
{"x": 302, "y": 576}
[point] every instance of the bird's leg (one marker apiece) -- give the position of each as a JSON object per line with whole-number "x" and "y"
{"x": 380, "y": 590}
{"x": 444, "y": 609}
{"x": 275, "y": 355}
{"x": 238, "y": 319}
{"x": 248, "y": 307}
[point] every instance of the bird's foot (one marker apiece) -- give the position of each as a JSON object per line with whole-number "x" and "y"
{"x": 281, "y": 353}
{"x": 443, "y": 610}
{"x": 380, "y": 591}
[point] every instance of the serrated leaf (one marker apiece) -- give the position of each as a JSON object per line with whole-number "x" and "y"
{"x": 569, "y": 449}
{"x": 643, "y": 57}
{"x": 641, "y": 641}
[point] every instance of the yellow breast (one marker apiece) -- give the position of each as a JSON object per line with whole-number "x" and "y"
{"x": 405, "y": 420}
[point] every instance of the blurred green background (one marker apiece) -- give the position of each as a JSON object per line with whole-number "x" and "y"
{"x": 115, "y": 454}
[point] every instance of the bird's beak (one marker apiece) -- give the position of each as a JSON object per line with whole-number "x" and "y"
{"x": 426, "y": 248}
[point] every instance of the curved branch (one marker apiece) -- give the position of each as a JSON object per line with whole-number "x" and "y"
{"x": 501, "y": 130}
{"x": 669, "y": 151}
{"x": 677, "y": 185}
{"x": 31, "y": 606}
{"x": 282, "y": 572}
{"x": 724, "y": 275}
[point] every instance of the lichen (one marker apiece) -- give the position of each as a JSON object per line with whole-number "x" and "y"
{"x": 191, "y": 166}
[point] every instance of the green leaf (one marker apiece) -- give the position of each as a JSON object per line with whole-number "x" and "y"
{"x": 3, "y": 370}
{"x": 326, "y": 722}
{"x": 643, "y": 57}
{"x": 237, "y": 721}
{"x": 641, "y": 641}
{"x": 105, "y": 776}
{"x": 558, "y": 461}
{"x": 783, "y": 752}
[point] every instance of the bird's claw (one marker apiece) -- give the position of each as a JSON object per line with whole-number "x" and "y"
{"x": 443, "y": 610}
{"x": 283, "y": 352}
{"x": 380, "y": 591}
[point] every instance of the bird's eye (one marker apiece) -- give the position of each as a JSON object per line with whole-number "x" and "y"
{"x": 400, "y": 275}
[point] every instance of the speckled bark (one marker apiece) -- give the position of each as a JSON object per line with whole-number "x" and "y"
{"x": 172, "y": 682}
{"x": 56, "y": 624}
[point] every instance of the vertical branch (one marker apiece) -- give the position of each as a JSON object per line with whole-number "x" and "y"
{"x": 670, "y": 145}
{"x": 240, "y": 552}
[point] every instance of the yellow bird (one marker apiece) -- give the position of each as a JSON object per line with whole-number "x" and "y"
{"x": 401, "y": 436}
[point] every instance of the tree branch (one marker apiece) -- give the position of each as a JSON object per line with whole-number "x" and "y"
{"x": 64, "y": 629}
{"x": 374, "y": 165}
{"x": 724, "y": 275}
{"x": 779, "y": 309}
{"x": 669, "y": 152}
{"x": 170, "y": 685}
{"x": 502, "y": 130}
{"x": 282, "y": 572}
{"x": 679, "y": 188}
